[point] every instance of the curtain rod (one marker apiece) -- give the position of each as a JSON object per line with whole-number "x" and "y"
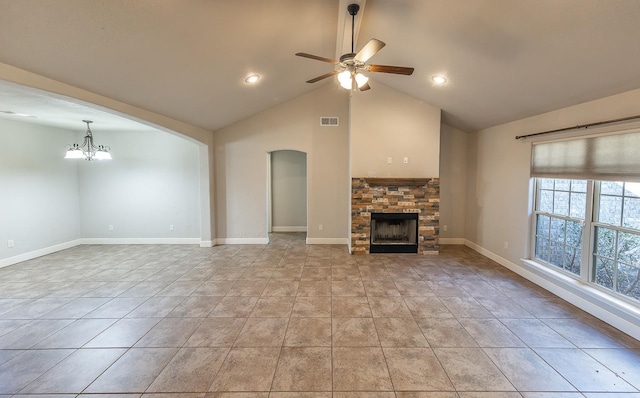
{"x": 580, "y": 126}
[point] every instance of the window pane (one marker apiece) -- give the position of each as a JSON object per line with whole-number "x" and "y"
{"x": 632, "y": 189}
{"x": 631, "y": 216}
{"x": 574, "y": 233}
{"x": 542, "y": 249}
{"x": 557, "y": 230}
{"x": 578, "y": 205}
{"x": 605, "y": 242}
{"x": 542, "y": 226}
{"x": 562, "y": 185}
{"x": 578, "y": 185}
{"x": 604, "y": 272}
{"x": 572, "y": 259}
{"x": 556, "y": 256}
{"x": 561, "y": 203}
{"x": 628, "y": 281}
{"x": 611, "y": 188}
{"x": 546, "y": 201}
{"x": 610, "y": 209}
{"x": 546, "y": 183}
{"x": 629, "y": 248}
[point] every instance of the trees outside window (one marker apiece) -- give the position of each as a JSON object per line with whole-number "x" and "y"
{"x": 590, "y": 230}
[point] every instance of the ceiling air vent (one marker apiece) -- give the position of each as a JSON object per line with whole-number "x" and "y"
{"x": 329, "y": 121}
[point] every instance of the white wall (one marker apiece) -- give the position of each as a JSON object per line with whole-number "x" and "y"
{"x": 499, "y": 192}
{"x": 152, "y": 182}
{"x": 453, "y": 183}
{"x": 241, "y": 172}
{"x": 39, "y": 198}
{"x": 289, "y": 191}
{"x": 387, "y": 123}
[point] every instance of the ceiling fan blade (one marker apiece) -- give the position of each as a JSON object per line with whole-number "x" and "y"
{"x": 365, "y": 87}
{"x": 315, "y": 79}
{"x": 398, "y": 70}
{"x": 369, "y": 50}
{"x": 317, "y": 58}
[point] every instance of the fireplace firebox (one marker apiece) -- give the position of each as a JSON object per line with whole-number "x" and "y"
{"x": 394, "y": 233}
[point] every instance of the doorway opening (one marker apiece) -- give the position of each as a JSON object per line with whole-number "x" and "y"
{"x": 286, "y": 192}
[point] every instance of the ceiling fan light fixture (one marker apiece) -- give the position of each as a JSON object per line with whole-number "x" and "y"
{"x": 438, "y": 79}
{"x": 361, "y": 79}
{"x": 350, "y": 63}
{"x": 252, "y": 79}
{"x": 344, "y": 78}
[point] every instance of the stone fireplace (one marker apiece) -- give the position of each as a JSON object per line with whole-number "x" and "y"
{"x": 383, "y": 198}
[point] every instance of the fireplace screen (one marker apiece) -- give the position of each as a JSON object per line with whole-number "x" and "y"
{"x": 394, "y": 233}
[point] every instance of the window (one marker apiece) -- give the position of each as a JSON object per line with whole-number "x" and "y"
{"x": 616, "y": 237}
{"x": 560, "y": 215}
{"x": 591, "y": 230}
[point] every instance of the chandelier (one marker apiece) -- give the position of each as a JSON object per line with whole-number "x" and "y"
{"x": 88, "y": 151}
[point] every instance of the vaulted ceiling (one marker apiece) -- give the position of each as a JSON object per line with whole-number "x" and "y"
{"x": 504, "y": 59}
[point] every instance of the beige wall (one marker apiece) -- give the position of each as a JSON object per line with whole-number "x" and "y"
{"x": 387, "y": 123}
{"x": 241, "y": 169}
{"x": 453, "y": 182}
{"x": 499, "y": 189}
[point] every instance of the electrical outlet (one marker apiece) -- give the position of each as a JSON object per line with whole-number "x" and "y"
{"x": 506, "y": 245}
{"x": 110, "y": 227}
{"x": 389, "y": 160}
{"x": 321, "y": 227}
{"x": 171, "y": 227}
{"x": 406, "y": 160}
{"x": 10, "y": 243}
{"x": 445, "y": 227}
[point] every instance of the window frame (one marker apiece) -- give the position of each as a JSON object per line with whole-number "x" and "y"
{"x": 589, "y": 225}
{"x": 584, "y": 255}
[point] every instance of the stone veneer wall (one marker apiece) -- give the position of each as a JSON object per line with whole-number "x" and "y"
{"x": 367, "y": 199}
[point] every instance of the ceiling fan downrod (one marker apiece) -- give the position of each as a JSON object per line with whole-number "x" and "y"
{"x": 353, "y": 11}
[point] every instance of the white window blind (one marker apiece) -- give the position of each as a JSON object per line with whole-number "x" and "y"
{"x": 609, "y": 157}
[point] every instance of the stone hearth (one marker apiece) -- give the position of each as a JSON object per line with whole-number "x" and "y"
{"x": 410, "y": 195}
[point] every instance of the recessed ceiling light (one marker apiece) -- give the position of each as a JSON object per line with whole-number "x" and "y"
{"x": 438, "y": 79}
{"x": 252, "y": 79}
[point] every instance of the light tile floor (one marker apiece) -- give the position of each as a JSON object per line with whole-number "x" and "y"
{"x": 290, "y": 320}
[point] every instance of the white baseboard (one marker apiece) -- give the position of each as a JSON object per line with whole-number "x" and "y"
{"x": 140, "y": 241}
{"x": 451, "y": 241}
{"x": 206, "y": 243}
{"x": 39, "y": 253}
{"x": 617, "y": 313}
{"x": 242, "y": 241}
{"x": 288, "y": 229}
{"x": 327, "y": 241}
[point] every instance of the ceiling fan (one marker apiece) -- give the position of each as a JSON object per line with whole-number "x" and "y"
{"x": 352, "y": 64}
